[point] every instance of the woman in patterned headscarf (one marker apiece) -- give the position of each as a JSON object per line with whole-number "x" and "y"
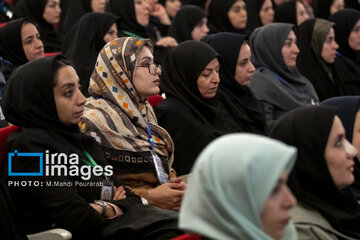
{"x": 118, "y": 116}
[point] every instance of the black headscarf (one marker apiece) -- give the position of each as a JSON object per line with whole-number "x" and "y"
{"x": 11, "y": 47}
{"x": 186, "y": 19}
{"x": 27, "y": 86}
{"x": 311, "y": 64}
{"x": 347, "y": 62}
{"x": 199, "y": 3}
{"x": 125, "y": 9}
{"x": 239, "y": 100}
{"x": 218, "y": 17}
{"x": 73, "y": 11}
{"x": 308, "y": 129}
{"x": 253, "y": 8}
{"x": 182, "y": 67}
{"x": 35, "y": 10}
{"x": 266, "y": 43}
{"x": 352, "y": 4}
{"x": 321, "y": 8}
{"x": 286, "y": 13}
{"x": 347, "y": 108}
{"x": 203, "y": 119}
{"x": 84, "y": 42}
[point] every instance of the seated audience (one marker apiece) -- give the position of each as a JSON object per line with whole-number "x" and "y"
{"x": 347, "y": 61}
{"x": 227, "y": 16}
{"x": 259, "y": 207}
{"x": 44, "y": 100}
{"x": 316, "y": 41}
{"x": 46, "y": 14}
{"x": 119, "y": 117}
{"x": 236, "y": 71}
{"x": 277, "y": 83}
{"x": 322, "y": 174}
{"x": 171, "y": 7}
{"x": 190, "y": 112}
{"x": 190, "y": 23}
{"x": 84, "y": 42}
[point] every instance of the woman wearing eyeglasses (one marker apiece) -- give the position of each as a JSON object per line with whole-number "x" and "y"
{"x": 121, "y": 120}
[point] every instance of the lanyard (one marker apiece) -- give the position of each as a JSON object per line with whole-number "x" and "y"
{"x": 150, "y": 137}
{"x": 132, "y": 34}
{"x": 91, "y": 161}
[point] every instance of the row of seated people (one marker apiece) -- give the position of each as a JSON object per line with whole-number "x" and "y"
{"x": 43, "y": 98}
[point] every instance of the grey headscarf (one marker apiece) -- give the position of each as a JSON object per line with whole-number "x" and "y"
{"x": 294, "y": 90}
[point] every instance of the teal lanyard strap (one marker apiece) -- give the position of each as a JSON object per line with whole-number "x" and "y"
{"x": 132, "y": 34}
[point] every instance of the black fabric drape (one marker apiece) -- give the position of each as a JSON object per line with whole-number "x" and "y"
{"x": 308, "y": 129}
{"x": 253, "y": 9}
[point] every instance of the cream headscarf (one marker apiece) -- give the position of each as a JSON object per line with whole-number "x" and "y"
{"x": 116, "y": 116}
{"x": 231, "y": 181}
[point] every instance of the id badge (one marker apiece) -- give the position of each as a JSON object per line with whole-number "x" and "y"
{"x": 160, "y": 172}
{"x": 107, "y": 190}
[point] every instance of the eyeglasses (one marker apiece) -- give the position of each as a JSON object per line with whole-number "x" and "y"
{"x": 152, "y": 67}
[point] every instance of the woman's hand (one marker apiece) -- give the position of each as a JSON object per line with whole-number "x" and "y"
{"x": 119, "y": 193}
{"x": 167, "y": 196}
{"x": 167, "y": 42}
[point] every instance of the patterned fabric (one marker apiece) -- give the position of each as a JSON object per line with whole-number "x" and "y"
{"x": 117, "y": 117}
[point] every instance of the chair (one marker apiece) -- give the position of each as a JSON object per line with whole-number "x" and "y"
{"x": 154, "y": 100}
{"x": 53, "y": 234}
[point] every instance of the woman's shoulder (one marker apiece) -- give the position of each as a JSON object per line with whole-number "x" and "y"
{"x": 310, "y": 224}
{"x": 172, "y": 105}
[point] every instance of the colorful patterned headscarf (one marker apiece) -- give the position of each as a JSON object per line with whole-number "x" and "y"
{"x": 117, "y": 117}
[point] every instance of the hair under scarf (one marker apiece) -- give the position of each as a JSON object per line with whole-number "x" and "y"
{"x": 308, "y": 129}
{"x": 214, "y": 208}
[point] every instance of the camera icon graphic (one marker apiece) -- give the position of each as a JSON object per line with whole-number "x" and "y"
{"x": 23, "y": 156}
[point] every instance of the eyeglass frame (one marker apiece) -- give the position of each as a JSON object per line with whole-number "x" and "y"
{"x": 157, "y": 66}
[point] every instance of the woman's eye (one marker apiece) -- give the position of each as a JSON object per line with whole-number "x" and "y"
{"x": 68, "y": 93}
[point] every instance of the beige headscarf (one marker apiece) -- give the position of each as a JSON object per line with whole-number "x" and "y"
{"x": 117, "y": 117}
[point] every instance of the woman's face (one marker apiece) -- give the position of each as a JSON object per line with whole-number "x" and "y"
{"x": 111, "y": 34}
{"x": 278, "y": 2}
{"x": 142, "y": 12}
{"x": 244, "y": 67}
{"x": 336, "y": 5}
{"x": 354, "y": 37}
{"x": 31, "y": 42}
{"x": 238, "y": 15}
{"x": 290, "y": 51}
{"x": 266, "y": 13}
{"x": 209, "y": 79}
{"x": 146, "y": 75}
{"x": 356, "y": 133}
{"x": 276, "y": 213}
{"x": 172, "y": 6}
{"x": 52, "y": 11}
{"x": 328, "y": 52}
{"x": 339, "y": 155}
{"x": 200, "y": 30}
{"x": 301, "y": 14}
{"x": 98, "y": 5}
{"x": 68, "y": 98}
